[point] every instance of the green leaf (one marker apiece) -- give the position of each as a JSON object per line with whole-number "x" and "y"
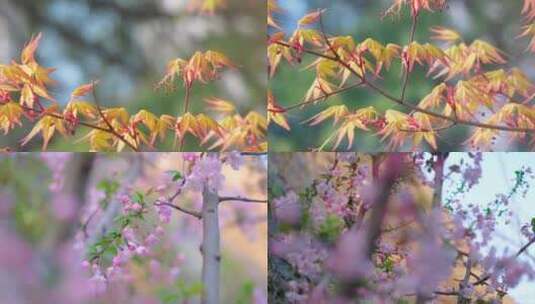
{"x": 175, "y": 175}
{"x": 138, "y": 197}
{"x": 109, "y": 187}
{"x": 331, "y": 228}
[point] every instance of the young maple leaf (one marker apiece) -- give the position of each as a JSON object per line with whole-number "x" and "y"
{"x": 27, "y": 78}
{"x": 349, "y": 122}
{"x": 347, "y": 129}
{"x": 436, "y": 98}
{"x": 486, "y": 53}
{"x": 220, "y": 105}
{"x": 529, "y": 9}
{"x": 76, "y": 107}
{"x": 422, "y": 53}
{"x": 102, "y": 141}
{"x": 276, "y": 112}
{"x": 529, "y": 31}
{"x": 310, "y": 18}
{"x": 28, "y": 53}
{"x": 185, "y": 124}
{"x": 83, "y": 90}
{"x": 445, "y": 34}
{"x": 10, "y": 116}
{"x": 337, "y": 112}
{"x": 243, "y": 133}
{"x": 47, "y": 126}
{"x": 150, "y": 121}
{"x": 202, "y": 67}
{"x": 276, "y": 52}
{"x": 416, "y": 6}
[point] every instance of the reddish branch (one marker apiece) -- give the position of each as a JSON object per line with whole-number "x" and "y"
{"x": 107, "y": 122}
{"x": 109, "y": 129}
{"x": 406, "y": 72}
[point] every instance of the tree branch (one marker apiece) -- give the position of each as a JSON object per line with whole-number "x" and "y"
{"x": 193, "y": 213}
{"x": 520, "y": 252}
{"x": 170, "y": 200}
{"x": 241, "y": 199}
{"x": 107, "y": 122}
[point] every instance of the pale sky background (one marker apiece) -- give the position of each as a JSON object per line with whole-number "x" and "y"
{"x": 498, "y": 177}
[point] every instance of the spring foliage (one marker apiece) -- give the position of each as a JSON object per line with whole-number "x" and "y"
{"x": 25, "y": 95}
{"x": 473, "y": 83}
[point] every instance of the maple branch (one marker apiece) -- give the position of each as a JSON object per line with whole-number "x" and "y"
{"x": 107, "y": 122}
{"x": 325, "y": 96}
{"x": 109, "y": 130}
{"x": 241, "y": 199}
{"x": 434, "y": 129}
{"x": 407, "y": 73}
{"x": 186, "y": 99}
{"x": 186, "y": 109}
{"x": 410, "y": 105}
{"x": 59, "y": 116}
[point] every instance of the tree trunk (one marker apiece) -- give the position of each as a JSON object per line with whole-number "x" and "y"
{"x": 439, "y": 177}
{"x": 210, "y": 248}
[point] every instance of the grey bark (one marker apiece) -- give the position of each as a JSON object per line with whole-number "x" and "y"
{"x": 210, "y": 247}
{"x": 439, "y": 177}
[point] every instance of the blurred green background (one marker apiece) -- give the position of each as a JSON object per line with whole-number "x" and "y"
{"x": 496, "y": 21}
{"x": 127, "y": 44}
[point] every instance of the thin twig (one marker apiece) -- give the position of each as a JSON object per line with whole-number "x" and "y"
{"x": 179, "y": 208}
{"x": 170, "y": 200}
{"x": 59, "y": 116}
{"x": 407, "y": 73}
{"x": 107, "y": 122}
{"x": 519, "y": 252}
{"x": 325, "y": 96}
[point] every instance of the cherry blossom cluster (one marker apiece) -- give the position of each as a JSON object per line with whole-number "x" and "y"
{"x": 353, "y": 233}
